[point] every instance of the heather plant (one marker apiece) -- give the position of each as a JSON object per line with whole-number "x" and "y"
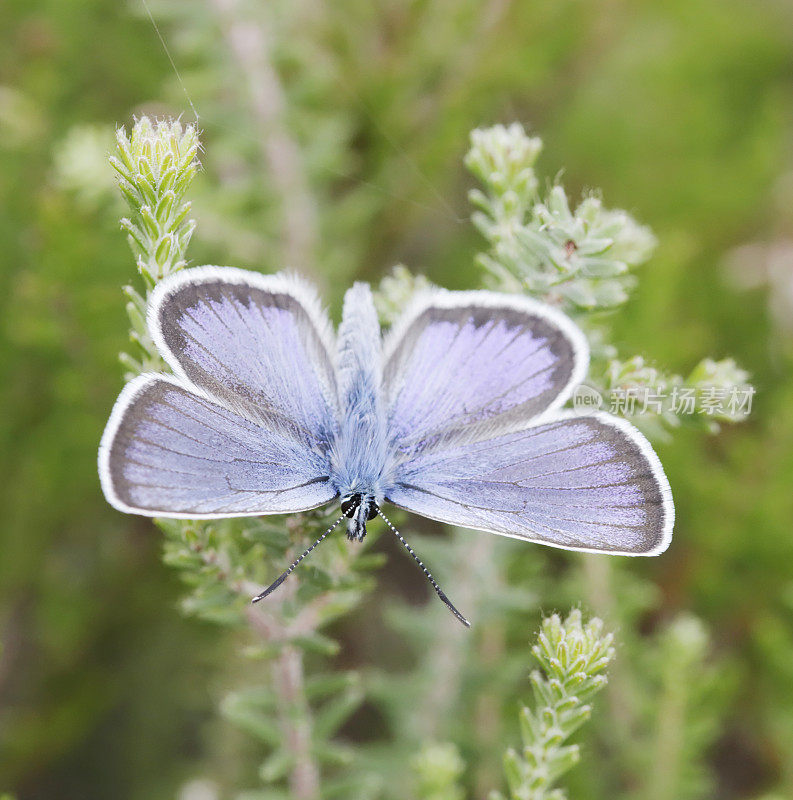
{"x": 295, "y": 714}
{"x": 333, "y": 139}
{"x": 226, "y": 562}
{"x": 574, "y": 658}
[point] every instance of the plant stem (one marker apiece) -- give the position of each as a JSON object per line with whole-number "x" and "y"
{"x": 294, "y": 712}
{"x": 250, "y": 47}
{"x": 621, "y": 691}
{"x": 473, "y": 572}
{"x": 665, "y": 776}
{"x": 295, "y": 719}
{"x": 487, "y": 713}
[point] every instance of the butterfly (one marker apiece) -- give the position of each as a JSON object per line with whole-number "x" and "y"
{"x": 454, "y": 414}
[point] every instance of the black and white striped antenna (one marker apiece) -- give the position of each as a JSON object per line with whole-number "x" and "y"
{"x": 432, "y": 580}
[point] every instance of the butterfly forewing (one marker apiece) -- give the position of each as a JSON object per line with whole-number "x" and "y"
{"x": 259, "y": 344}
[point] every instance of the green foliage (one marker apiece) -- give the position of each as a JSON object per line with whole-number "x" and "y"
{"x": 578, "y": 259}
{"x": 438, "y": 768}
{"x": 156, "y": 164}
{"x": 574, "y": 658}
{"x": 683, "y": 732}
{"x": 334, "y": 138}
{"x": 656, "y": 401}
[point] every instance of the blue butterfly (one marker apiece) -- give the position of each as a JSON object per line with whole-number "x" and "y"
{"x": 453, "y": 415}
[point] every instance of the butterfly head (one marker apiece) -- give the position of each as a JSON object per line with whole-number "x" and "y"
{"x": 358, "y": 509}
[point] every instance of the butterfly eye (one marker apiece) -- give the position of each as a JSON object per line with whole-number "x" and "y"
{"x": 349, "y": 504}
{"x": 372, "y": 509}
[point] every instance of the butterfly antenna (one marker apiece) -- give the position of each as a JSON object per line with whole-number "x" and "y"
{"x": 276, "y": 583}
{"x": 435, "y": 586}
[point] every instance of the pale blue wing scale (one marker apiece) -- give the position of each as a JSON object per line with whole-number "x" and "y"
{"x": 589, "y": 482}
{"x": 260, "y": 345}
{"x": 169, "y": 452}
{"x": 472, "y": 365}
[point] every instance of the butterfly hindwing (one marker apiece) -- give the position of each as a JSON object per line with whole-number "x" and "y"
{"x": 589, "y": 482}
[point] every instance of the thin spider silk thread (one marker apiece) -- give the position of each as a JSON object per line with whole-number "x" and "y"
{"x": 447, "y": 210}
{"x": 170, "y": 58}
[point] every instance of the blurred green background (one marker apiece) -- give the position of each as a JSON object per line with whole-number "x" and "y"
{"x": 681, "y": 112}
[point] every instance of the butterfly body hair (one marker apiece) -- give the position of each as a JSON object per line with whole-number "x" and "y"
{"x": 359, "y": 459}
